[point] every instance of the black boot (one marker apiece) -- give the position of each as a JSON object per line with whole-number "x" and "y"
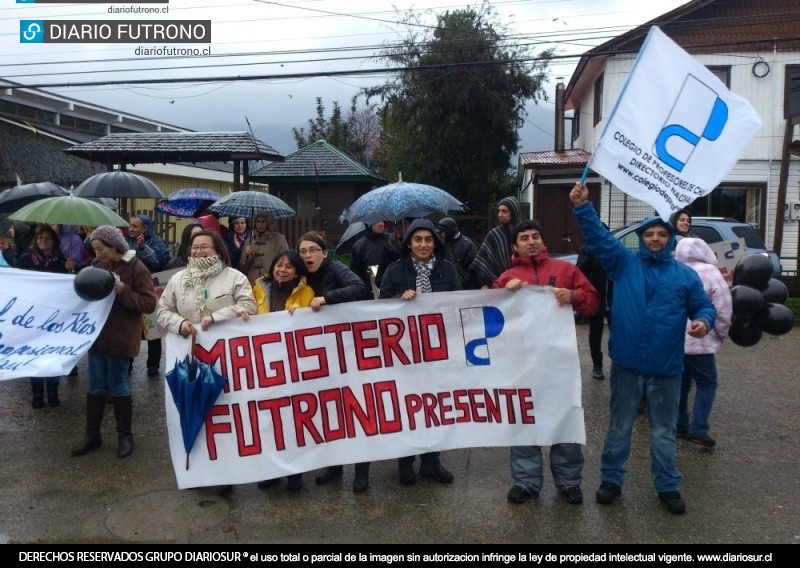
{"x": 95, "y": 404}
{"x": 38, "y": 395}
{"x": 123, "y": 411}
{"x": 361, "y": 479}
{"x": 294, "y": 482}
{"x": 329, "y": 474}
{"x": 52, "y": 395}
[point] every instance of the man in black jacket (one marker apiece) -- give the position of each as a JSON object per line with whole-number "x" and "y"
{"x": 422, "y": 268}
{"x": 368, "y": 251}
{"x": 461, "y": 251}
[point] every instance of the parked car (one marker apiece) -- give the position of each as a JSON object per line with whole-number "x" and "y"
{"x": 711, "y": 230}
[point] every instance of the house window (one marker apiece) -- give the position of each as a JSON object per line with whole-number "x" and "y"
{"x": 741, "y": 202}
{"x": 598, "y": 100}
{"x": 305, "y": 204}
{"x": 723, "y": 73}
{"x": 576, "y": 124}
{"x": 791, "y": 103}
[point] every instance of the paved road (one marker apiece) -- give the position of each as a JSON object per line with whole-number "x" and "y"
{"x": 747, "y": 490}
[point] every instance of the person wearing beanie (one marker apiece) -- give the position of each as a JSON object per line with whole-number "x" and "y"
{"x": 368, "y": 251}
{"x": 118, "y": 341}
{"x": 461, "y": 251}
{"x": 422, "y": 268}
{"x": 153, "y": 251}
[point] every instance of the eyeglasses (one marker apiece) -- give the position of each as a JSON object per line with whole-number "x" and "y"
{"x": 310, "y": 250}
{"x": 202, "y": 247}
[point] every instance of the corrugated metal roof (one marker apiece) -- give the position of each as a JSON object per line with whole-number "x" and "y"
{"x": 531, "y": 160}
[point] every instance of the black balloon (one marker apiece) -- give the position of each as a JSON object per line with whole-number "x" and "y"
{"x": 744, "y": 333}
{"x": 775, "y": 319}
{"x": 747, "y": 301}
{"x": 93, "y": 283}
{"x": 775, "y": 292}
{"x": 753, "y": 270}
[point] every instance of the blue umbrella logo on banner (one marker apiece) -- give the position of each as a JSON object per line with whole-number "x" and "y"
{"x": 195, "y": 387}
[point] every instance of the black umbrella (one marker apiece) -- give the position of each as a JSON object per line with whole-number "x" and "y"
{"x": 118, "y": 184}
{"x": 354, "y": 232}
{"x": 17, "y": 197}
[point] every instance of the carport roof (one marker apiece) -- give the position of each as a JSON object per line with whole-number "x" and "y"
{"x": 166, "y": 147}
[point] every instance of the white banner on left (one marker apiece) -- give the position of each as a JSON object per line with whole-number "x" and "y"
{"x": 45, "y": 328}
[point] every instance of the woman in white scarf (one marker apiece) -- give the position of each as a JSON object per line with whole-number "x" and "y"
{"x": 208, "y": 291}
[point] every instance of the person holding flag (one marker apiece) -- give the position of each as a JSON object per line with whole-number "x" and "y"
{"x": 654, "y": 294}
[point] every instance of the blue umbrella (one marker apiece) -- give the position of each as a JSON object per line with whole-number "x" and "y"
{"x": 195, "y": 387}
{"x": 398, "y": 200}
{"x": 187, "y": 202}
{"x": 248, "y": 203}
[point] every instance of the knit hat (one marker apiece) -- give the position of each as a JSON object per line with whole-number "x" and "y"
{"x": 110, "y": 236}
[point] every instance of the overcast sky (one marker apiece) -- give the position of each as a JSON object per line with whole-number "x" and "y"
{"x": 270, "y": 39}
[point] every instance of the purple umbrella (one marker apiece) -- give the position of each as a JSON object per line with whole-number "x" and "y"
{"x": 187, "y": 202}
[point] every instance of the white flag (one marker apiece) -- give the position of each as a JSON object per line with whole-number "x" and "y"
{"x": 676, "y": 130}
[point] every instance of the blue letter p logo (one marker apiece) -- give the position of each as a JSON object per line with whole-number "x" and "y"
{"x": 697, "y": 113}
{"x": 479, "y": 325}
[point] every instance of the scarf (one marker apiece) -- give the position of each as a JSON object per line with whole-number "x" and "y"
{"x": 424, "y": 275}
{"x": 241, "y": 239}
{"x": 195, "y": 279}
{"x": 42, "y": 260}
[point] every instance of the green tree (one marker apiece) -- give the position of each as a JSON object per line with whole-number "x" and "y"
{"x": 450, "y": 115}
{"x": 357, "y": 134}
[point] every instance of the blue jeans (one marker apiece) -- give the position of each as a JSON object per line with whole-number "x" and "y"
{"x": 108, "y": 374}
{"x": 566, "y": 465}
{"x": 702, "y": 369}
{"x": 662, "y": 394}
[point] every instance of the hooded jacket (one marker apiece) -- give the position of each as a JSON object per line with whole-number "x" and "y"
{"x": 154, "y": 252}
{"x": 494, "y": 254}
{"x": 401, "y": 275}
{"x": 71, "y": 244}
{"x": 696, "y": 254}
{"x": 541, "y": 270}
{"x": 653, "y": 296}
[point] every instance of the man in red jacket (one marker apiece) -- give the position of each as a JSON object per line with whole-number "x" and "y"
{"x": 530, "y": 264}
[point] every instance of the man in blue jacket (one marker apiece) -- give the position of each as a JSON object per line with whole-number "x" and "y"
{"x": 653, "y": 296}
{"x": 154, "y": 253}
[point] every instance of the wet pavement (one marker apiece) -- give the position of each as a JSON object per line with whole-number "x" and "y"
{"x": 746, "y": 490}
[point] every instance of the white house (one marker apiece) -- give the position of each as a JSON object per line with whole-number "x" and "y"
{"x": 754, "y": 48}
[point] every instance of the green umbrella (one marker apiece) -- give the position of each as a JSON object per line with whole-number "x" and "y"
{"x": 68, "y": 210}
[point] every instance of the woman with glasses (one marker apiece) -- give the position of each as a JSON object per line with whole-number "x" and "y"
{"x": 207, "y": 292}
{"x": 333, "y": 283}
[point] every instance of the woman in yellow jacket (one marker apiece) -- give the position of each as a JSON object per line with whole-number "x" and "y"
{"x": 283, "y": 288}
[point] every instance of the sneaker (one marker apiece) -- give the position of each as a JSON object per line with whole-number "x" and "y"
{"x": 407, "y": 475}
{"x": 682, "y": 435}
{"x": 607, "y": 492}
{"x": 518, "y": 494}
{"x": 436, "y": 472}
{"x": 572, "y": 495}
{"x": 597, "y": 373}
{"x": 674, "y": 502}
{"x": 704, "y": 441}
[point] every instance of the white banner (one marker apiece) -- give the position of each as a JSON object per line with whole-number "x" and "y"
{"x": 45, "y": 328}
{"x": 382, "y": 379}
{"x": 676, "y": 130}
{"x": 728, "y": 253}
